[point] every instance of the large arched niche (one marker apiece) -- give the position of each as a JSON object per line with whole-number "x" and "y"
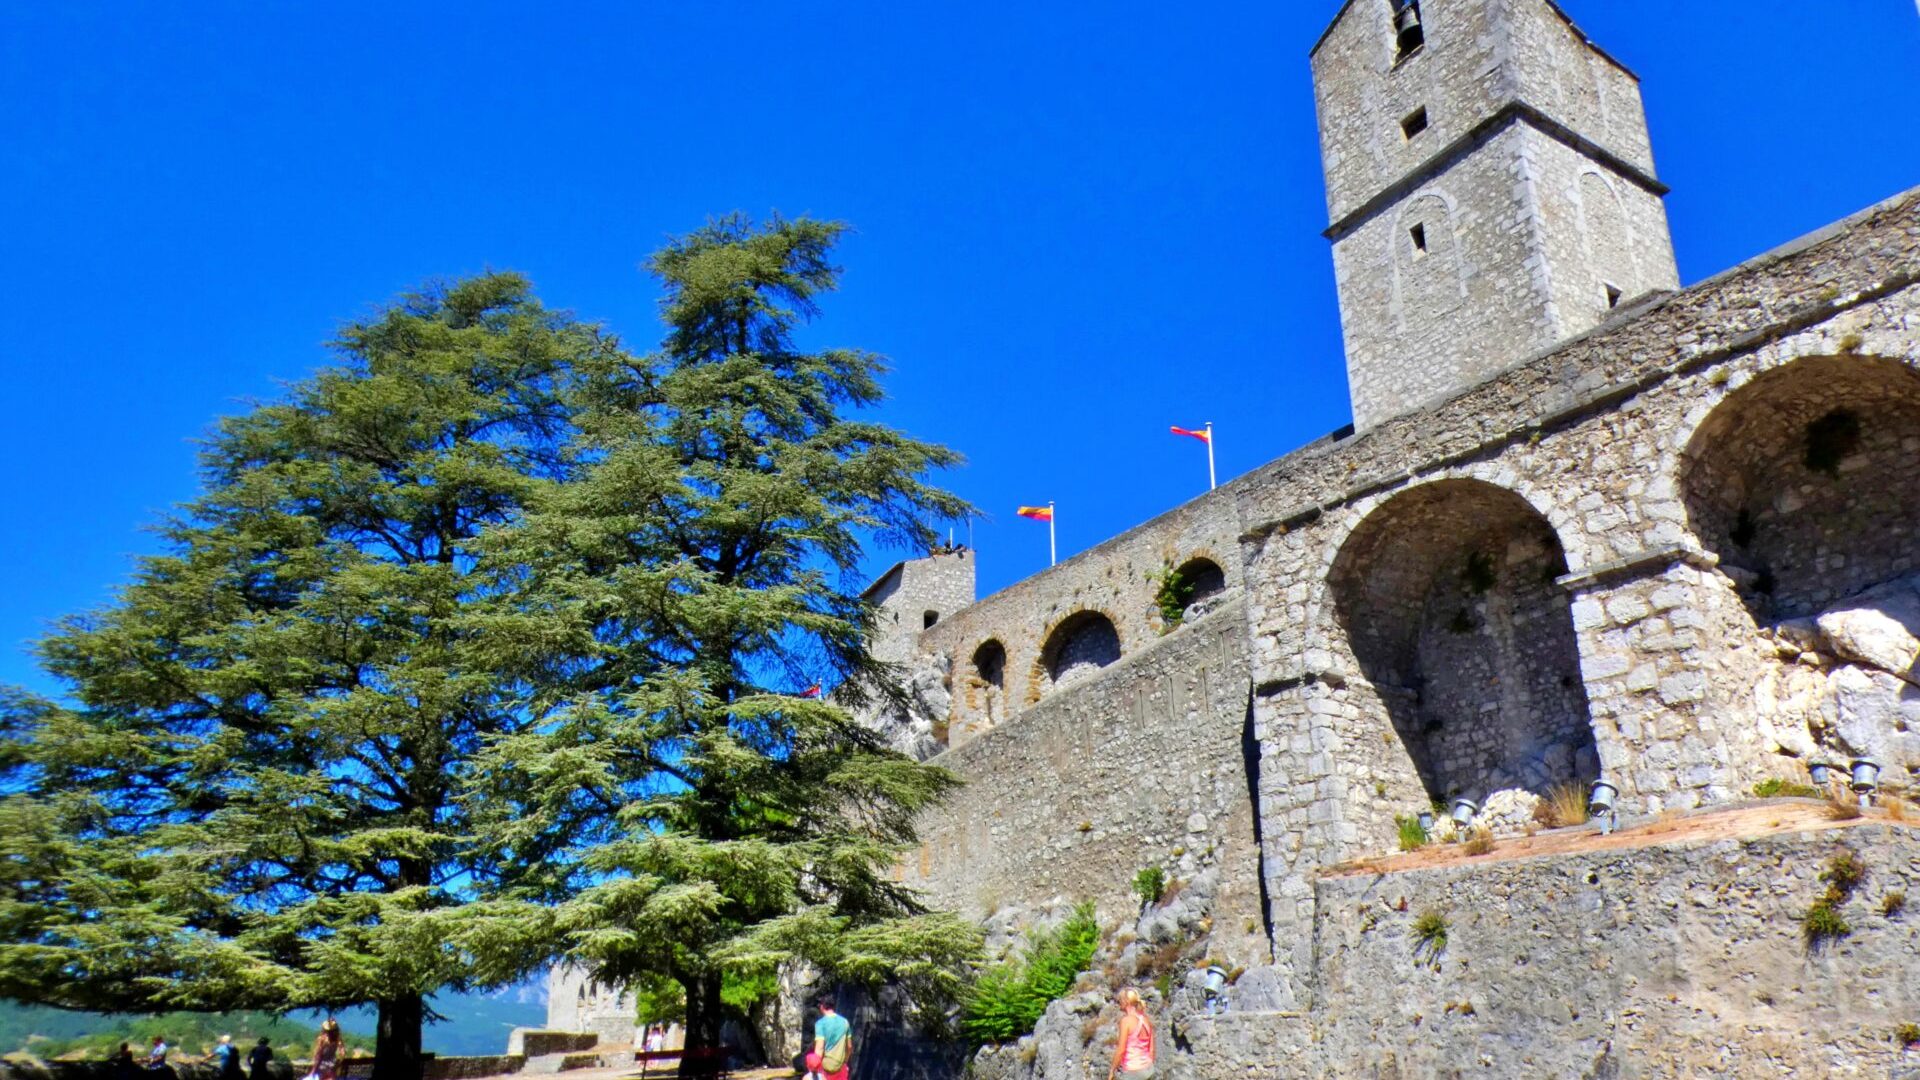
{"x": 1805, "y": 482}
{"x": 1447, "y": 596}
{"x": 1079, "y": 645}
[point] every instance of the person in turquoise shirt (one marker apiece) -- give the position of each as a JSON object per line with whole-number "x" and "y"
{"x": 832, "y": 1041}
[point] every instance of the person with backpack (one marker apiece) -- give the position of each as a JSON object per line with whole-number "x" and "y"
{"x": 260, "y": 1059}
{"x": 1133, "y": 1053}
{"x": 226, "y": 1058}
{"x": 832, "y": 1045}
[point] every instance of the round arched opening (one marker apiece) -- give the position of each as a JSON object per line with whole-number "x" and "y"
{"x": 1448, "y": 597}
{"x": 1802, "y": 483}
{"x": 1201, "y": 581}
{"x": 1082, "y": 644}
{"x": 990, "y": 663}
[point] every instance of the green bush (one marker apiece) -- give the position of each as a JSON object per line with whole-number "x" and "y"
{"x": 1150, "y": 885}
{"x": 1007, "y": 998}
{"x": 1776, "y": 788}
{"x": 1823, "y": 923}
{"x": 1173, "y": 596}
{"x": 1413, "y": 835}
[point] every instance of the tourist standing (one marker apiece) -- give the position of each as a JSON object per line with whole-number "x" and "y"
{"x": 326, "y": 1051}
{"x": 1133, "y": 1054}
{"x": 226, "y": 1058}
{"x": 259, "y": 1060}
{"x": 832, "y": 1043}
{"x": 157, "y": 1054}
{"x": 123, "y": 1064}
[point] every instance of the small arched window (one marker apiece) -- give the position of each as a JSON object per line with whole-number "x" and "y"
{"x": 928, "y": 618}
{"x": 990, "y": 663}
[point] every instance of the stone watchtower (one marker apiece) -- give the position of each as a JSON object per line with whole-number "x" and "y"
{"x": 1491, "y": 189}
{"x": 915, "y": 594}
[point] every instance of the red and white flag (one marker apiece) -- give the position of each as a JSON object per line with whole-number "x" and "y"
{"x": 811, "y": 691}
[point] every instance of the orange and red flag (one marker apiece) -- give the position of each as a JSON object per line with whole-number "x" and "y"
{"x": 1203, "y": 436}
{"x": 1037, "y": 513}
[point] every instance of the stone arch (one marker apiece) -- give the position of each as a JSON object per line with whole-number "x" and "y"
{"x": 1428, "y": 271}
{"x": 1802, "y": 482}
{"x": 1204, "y": 581}
{"x": 1447, "y": 598}
{"x": 1076, "y": 647}
{"x": 1609, "y": 235}
{"x": 988, "y": 676}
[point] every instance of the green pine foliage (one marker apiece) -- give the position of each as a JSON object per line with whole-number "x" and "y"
{"x": 1007, "y": 998}
{"x": 700, "y": 567}
{"x": 479, "y": 650}
{"x": 253, "y": 796}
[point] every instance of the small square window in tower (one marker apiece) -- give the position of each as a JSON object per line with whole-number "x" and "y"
{"x": 1415, "y": 123}
{"x": 1408, "y": 33}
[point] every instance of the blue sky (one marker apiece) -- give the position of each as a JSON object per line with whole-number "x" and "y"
{"x": 1077, "y": 223}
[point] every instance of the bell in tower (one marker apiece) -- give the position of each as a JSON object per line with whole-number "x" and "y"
{"x": 1408, "y": 35}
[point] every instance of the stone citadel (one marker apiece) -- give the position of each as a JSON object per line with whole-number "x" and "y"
{"x": 1586, "y": 526}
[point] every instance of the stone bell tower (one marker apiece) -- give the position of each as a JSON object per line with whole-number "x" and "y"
{"x": 1491, "y": 189}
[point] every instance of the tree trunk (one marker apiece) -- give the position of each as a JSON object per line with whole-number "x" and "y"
{"x": 705, "y": 1014}
{"x": 396, "y": 1047}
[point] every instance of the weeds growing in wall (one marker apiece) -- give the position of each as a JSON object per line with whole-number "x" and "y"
{"x": 1776, "y": 788}
{"x": 1429, "y": 937}
{"x": 1150, "y": 884}
{"x": 1006, "y": 1000}
{"x": 1173, "y": 596}
{"x": 1413, "y": 835}
{"x": 1823, "y": 922}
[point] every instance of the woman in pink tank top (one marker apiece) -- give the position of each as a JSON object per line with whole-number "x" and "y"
{"x": 1133, "y": 1054}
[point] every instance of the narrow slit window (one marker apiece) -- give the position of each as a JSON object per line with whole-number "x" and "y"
{"x": 1418, "y": 234}
{"x": 1415, "y": 123}
{"x": 1613, "y": 295}
{"x": 928, "y": 618}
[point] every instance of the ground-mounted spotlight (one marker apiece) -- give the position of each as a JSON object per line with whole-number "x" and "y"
{"x": 1820, "y": 772}
{"x": 1600, "y": 804}
{"x": 1866, "y": 780}
{"x": 1464, "y": 810}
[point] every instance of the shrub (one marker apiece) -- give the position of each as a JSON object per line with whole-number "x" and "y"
{"x": 1776, "y": 788}
{"x": 1413, "y": 835}
{"x": 1007, "y": 998}
{"x": 1172, "y": 597}
{"x": 1430, "y": 936}
{"x": 1841, "y": 805}
{"x": 1843, "y": 874}
{"x": 1479, "y": 841}
{"x": 1564, "y": 806}
{"x": 1822, "y": 923}
{"x": 1907, "y": 1034}
{"x": 1893, "y": 903}
{"x": 1150, "y": 884}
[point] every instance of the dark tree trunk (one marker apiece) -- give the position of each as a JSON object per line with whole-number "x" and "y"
{"x": 704, "y": 1053}
{"x": 396, "y": 1047}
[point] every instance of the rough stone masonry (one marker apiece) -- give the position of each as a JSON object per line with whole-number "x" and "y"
{"x": 1587, "y": 525}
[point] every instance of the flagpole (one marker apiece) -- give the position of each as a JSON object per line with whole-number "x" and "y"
{"x": 1210, "y": 481}
{"x": 1053, "y": 550}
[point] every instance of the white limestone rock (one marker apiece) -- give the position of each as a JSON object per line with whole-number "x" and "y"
{"x": 1508, "y": 812}
{"x": 1869, "y": 712}
{"x": 1879, "y": 627}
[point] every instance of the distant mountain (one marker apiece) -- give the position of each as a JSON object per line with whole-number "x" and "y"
{"x": 477, "y": 1023}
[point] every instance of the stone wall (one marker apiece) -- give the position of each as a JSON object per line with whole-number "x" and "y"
{"x": 1117, "y": 579}
{"x": 1144, "y": 765}
{"x": 1682, "y": 960}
